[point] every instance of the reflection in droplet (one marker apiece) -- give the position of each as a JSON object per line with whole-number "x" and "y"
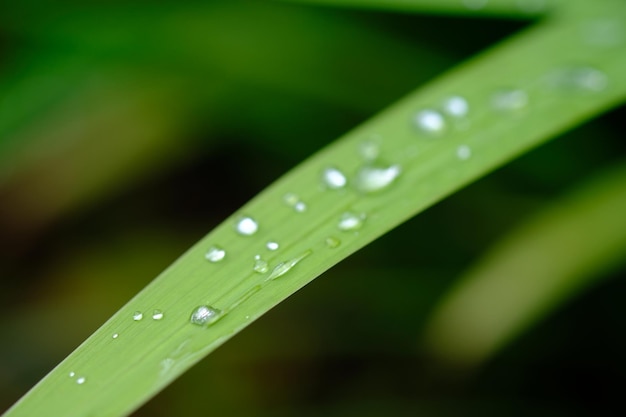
{"x": 370, "y": 179}
{"x": 350, "y": 221}
{"x": 333, "y": 178}
{"x": 246, "y": 226}
{"x": 215, "y": 254}
{"x": 430, "y": 121}
{"x": 205, "y": 315}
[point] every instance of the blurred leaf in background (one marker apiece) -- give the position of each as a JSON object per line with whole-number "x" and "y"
{"x": 130, "y": 129}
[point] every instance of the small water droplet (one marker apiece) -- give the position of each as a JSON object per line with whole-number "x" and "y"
{"x": 370, "y": 149}
{"x": 475, "y": 4}
{"x": 370, "y": 179}
{"x": 463, "y": 152}
{"x": 72, "y": 374}
{"x": 349, "y": 222}
{"x": 583, "y": 79}
{"x": 246, "y": 226}
{"x": 333, "y": 178}
{"x": 115, "y": 336}
{"x": 205, "y": 315}
{"x": 430, "y": 121}
{"x": 272, "y": 246}
{"x": 455, "y": 106}
{"x": 137, "y": 315}
{"x": 332, "y": 242}
{"x": 284, "y": 267}
{"x": 157, "y": 315}
{"x": 215, "y": 254}
{"x": 293, "y": 201}
{"x": 81, "y": 380}
{"x": 509, "y": 100}
{"x": 261, "y": 266}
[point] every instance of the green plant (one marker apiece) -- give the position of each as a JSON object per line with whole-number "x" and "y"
{"x": 551, "y": 77}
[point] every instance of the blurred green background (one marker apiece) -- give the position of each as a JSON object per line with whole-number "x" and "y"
{"x": 129, "y": 129}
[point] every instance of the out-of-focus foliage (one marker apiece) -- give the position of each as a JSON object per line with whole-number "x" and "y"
{"x": 116, "y": 119}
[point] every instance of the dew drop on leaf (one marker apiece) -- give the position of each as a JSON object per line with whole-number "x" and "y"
{"x": 137, "y": 315}
{"x": 215, "y": 254}
{"x": 81, "y": 380}
{"x": 509, "y": 100}
{"x": 271, "y": 245}
{"x": 157, "y": 315}
{"x": 115, "y": 335}
{"x": 205, "y": 315}
{"x": 332, "y": 242}
{"x": 293, "y": 201}
{"x": 284, "y": 267}
{"x": 455, "y": 106}
{"x": 260, "y": 265}
{"x": 349, "y": 221}
{"x": 370, "y": 179}
{"x": 463, "y": 152}
{"x": 246, "y": 226}
{"x": 580, "y": 79}
{"x": 333, "y": 178}
{"x": 430, "y": 121}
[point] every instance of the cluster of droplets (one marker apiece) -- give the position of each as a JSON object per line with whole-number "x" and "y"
{"x": 294, "y": 201}
{"x": 157, "y": 315}
{"x": 79, "y": 380}
{"x": 434, "y": 122}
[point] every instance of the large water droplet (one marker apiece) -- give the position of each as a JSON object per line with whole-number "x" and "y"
{"x": 246, "y": 226}
{"x": 509, "y": 100}
{"x": 349, "y": 222}
{"x": 215, "y": 254}
{"x": 284, "y": 267}
{"x": 332, "y": 242}
{"x": 205, "y": 315}
{"x": 430, "y": 121}
{"x": 81, "y": 380}
{"x": 293, "y": 201}
{"x": 137, "y": 315}
{"x": 333, "y": 178}
{"x": 463, "y": 152}
{"x": 157, "y": 315}
{"x": 455, "y": 106}
{"x": 370, "y": 179}
{"x": 272, "y": 246}
{"x": 581, "y": 79}
{"x": 260, "y": 265}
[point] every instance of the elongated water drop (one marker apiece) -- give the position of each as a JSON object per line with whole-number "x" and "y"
{"x": 370, "y": 179}
{"x": 430, "y": 121}
{"x": 261, "y": 266}
{"x": 246, "y": 226}
{"x": 137, "y": 315}
{"x": 332, "y": 242}
{"x": 157, "y": 315}
{"x": 205, "y": 315}
{"x": 284, "y": 267}
{"x": 215, "y": 254}
{"x": 333, "y": 178}
{"x": 350, "y": 222}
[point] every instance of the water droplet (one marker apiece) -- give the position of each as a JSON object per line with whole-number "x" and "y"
{"x": 582, "y": 79}
{"x": 205, "y": 315}
{"x": 215, "y": 254}
{"x": 137, "y": 315}
{"x": 509, "y": 100}
{"x": 455, "y": 106}
{"x": 72, "y": 374}
{"x": 81, "y": 380}
{"x": 293, "y": 201}
{"x": 246, "y": 226}
{"x": 284, "y": 267}
{"x": 272, "y": 245}
{"x": 475, "y": 4}
{"x": 463, "y": 152}
{"x": 157, "y": 315}
{"x": 115, "y": 336}
{"x": 430, "y": 121}
{"x": 350, "y": 221}
{"x": 370, "y": 179}
{"x": 333, "y": 178}
{"x": 332, "y": 242}
{"x": 604, "y": 33}
{"x": 369, "y": 149}
{"x": 261, "y": 266}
